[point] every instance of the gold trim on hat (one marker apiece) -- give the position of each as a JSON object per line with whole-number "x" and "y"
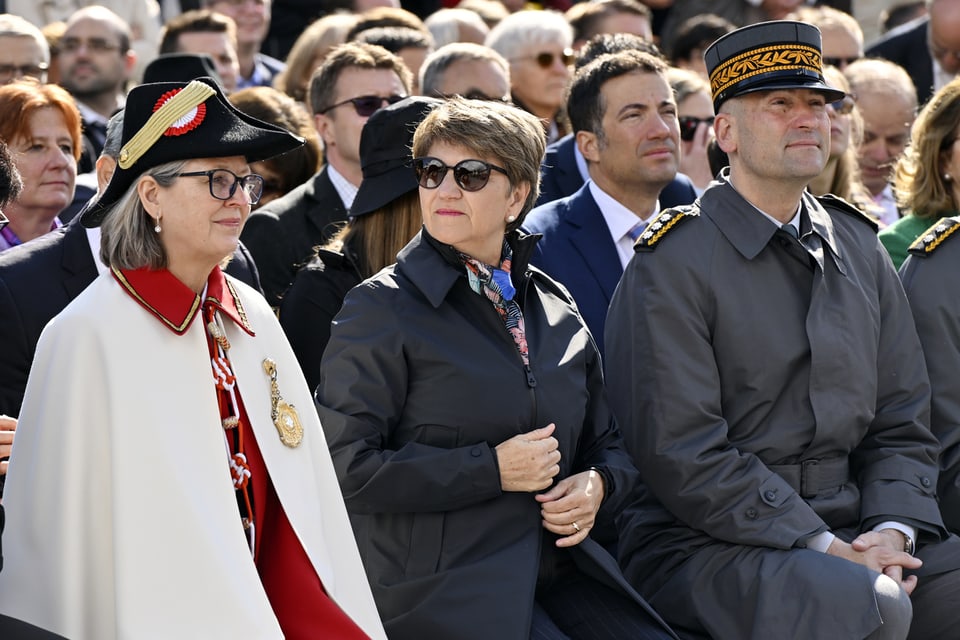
{"x": 778, "y": 57}
{"x": 194, "y": 94}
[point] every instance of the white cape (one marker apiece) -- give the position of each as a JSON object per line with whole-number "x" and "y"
{"x": 122, "y": 520}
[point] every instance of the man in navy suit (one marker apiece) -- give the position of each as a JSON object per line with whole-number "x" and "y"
{"x": 624, "y": 117}
{"x": 928, "y": 48}
{"x": 564, "y": 168}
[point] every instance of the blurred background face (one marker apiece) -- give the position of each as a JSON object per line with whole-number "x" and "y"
{"x": 21, "y": 56}
{"x": 219, "y": 47}
{"x": 252, "y": 18}
{"x": 539, "y": 77}
{"x": 944, "y": 34}
{"x": 696, "y": 106}
{"x": 91, "y": 59}
{"x": 840, "y": 47}
{"x": 44, "y": 157}
{"x": 475, "y": 79}
{"x": 886, "y": 130}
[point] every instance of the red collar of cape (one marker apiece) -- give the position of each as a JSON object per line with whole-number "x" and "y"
{"x": 174, "y": 303}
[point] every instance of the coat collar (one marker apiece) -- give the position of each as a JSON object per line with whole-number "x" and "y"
{"x": 434, "y": 267}
{"x": 176, "y": 305}
{"x": 748, "y": 231}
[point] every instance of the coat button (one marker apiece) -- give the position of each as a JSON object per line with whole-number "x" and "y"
{"x": 752, "y": 513}
{"x": 770, "y": 496}
{"x": 475, "y": 452}
{"x": 925, "y": 481}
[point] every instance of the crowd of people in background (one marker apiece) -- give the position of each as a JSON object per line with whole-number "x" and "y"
{"x": 580, "y": 310}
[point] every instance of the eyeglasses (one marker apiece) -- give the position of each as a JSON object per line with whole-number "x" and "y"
{"x": 470, "y": 175}
{"x": 840, "y": 63}
{"x": 366, "y": 106}
{"x": 545, "y": 58}
{"x": 689, "y": 124}
{"x": 844, "y": 106}
{"x": 8, "y": 71}
{"x": 93, "y": 45}
{"x": 223, "y": 183}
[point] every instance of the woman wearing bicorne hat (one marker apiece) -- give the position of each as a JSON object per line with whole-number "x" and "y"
{"x": 170, "y": 478}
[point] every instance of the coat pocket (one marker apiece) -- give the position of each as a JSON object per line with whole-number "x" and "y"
{"x": 426, "y": 542}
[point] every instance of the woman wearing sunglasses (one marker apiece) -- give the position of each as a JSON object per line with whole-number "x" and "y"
{"x": 463, "y": 400}
{"x": 170, "y": 477}
{"x": 537, "y": 45}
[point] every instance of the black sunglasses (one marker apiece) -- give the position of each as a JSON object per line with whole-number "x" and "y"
{"x": 689, "y": 124}
{"x": 223, "y": 183}
{"x": 470, "y": 175}
{"x": 839, "y": 63}
{"x": 545, "y": 58}
{"x": 366, "y": 106}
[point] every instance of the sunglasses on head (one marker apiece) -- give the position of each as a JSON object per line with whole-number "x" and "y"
{"x": 689, "y": 124}
{"x": 366, "y": 106}
{"x": 470, "y": 175}
{"x": 843, "y": 106}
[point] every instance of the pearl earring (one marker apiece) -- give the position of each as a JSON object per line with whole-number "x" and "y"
{"x": 511, "y": 218}
{"x": 947, "y": 177}
{"x": 156, "y": 229}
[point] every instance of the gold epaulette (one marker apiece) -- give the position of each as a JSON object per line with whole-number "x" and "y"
{"x": 934, "y": 236}
{"x": 666, "y": 220}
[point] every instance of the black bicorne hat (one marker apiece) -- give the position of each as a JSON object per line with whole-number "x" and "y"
{"x": 385, "y": 153}
{"x": 781, "y": 54}
{"x": 170, "y": 121}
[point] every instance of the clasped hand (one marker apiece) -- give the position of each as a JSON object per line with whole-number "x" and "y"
{"x": 881, "y": 551}
{"x": 529, "y": 462}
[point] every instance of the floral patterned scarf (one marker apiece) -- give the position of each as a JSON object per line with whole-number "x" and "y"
{"x": 494, "y": 284}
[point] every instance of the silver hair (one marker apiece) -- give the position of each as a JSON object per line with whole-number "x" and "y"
{"x": 127, "y": 238}
{"x": 518, "y": 31}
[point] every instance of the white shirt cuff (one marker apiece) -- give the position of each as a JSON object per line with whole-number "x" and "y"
{"x": 821, "y": 542}
{"x": 905, "y": 529}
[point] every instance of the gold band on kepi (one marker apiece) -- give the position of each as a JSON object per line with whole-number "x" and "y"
{"x": 782, "y": 54}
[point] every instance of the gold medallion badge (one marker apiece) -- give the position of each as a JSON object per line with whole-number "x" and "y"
{"x": 284, "y": 415}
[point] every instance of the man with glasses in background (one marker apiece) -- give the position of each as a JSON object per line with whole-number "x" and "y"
{"x": 95, "y": 64}
{"x": 354, "y": 81}
{"x": 23, "y": 50}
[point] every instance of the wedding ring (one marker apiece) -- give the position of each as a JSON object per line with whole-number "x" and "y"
{"x": 577, "y": 527}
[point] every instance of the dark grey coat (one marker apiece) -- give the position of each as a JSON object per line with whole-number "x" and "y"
{"x": 732, "y": 352}
{"x": 420, "y": 381}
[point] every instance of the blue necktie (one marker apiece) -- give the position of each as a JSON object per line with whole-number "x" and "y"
{"x": 636, "y": 230}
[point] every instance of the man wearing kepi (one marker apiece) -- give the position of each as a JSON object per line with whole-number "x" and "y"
{"x": 170, "y": 478}
{"x": 765, "y": 369}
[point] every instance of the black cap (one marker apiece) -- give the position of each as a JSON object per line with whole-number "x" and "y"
{"x": 385, "y": 153}
{"x": 180, "y": 67}
{"x": 170, "y": 121}
{"x": 782, "y": 54}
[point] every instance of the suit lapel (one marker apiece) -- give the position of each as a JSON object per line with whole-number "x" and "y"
{"x": 325, "y": 205}
{"x": 590, "y": 237}
{"x": 79, "y": 266}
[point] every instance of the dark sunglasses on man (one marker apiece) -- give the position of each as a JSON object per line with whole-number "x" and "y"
{"x": 366, "y": 106}
{"x": 689, "y": 124}
{"x": 470, "y": 175}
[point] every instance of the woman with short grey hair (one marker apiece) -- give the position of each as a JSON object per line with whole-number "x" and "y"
{"x": 538, "y": 46}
